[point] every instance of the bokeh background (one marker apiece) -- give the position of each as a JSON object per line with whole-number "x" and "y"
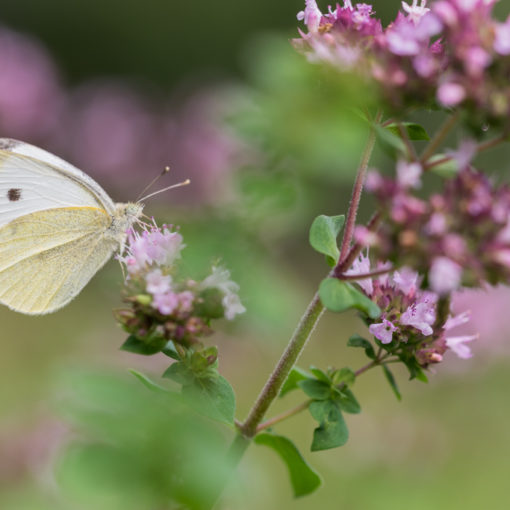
{"x": 215, "y": 91}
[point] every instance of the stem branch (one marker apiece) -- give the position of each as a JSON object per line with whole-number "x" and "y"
{"x": 439, "y": 137}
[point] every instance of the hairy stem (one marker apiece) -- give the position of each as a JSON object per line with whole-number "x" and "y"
{"x": 356, "y": 192}
{"x": 288, "y": 359}
{"x": 356, "y": 249}
{"x": 301, "y": 335}
{"x": 439, "y": 137}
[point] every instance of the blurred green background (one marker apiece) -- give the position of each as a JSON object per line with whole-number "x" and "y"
{"x": 296, "y": 145}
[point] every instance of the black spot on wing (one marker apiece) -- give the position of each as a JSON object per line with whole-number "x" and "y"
{"x": 14, "y": 194}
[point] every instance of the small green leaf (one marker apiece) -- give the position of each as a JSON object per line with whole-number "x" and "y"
{"x": 338, "y": 296}
{"x": 332, "y": 431}
{"x": 348, "y": 402}
{"x": 344, "y": 375}
{"x": 320, "y": 374}
{"x": 390, "y": 142}
{"x": 170, "y": 351}
{"x": 148, "y": 382}
{"x": 132, "y": 344}
{"x": 214, "y": 398}
{"x": 317, "y": 390}
{"x": 303, "y": 477}
{"x": 179, "y": 373}
{"x": 291, "y": 383}
{"x": 391, "y": 380}
{"x": 415, "y": 370}
{"x": 448, "y": 169}
{"x": 414, "y": 131}
{"x": 358, "y": 341}
{"x": 323, "y": 234}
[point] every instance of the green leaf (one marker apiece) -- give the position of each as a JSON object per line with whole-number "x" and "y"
{"x": 147, "y": 382}
{"x": 320, "y": 374}
{"x": 214, "y": 398}
{"x": 132, "y": 344}
{"x": 358, "y": 341}
{"x": 303, "y": 477}
{"x": 291, "y": 383}
{"x": 348, "y": 402}
{"x": 318, "y": 390}
{"x": 344, "y": 375}
{"x": 332, "y": 431}
{"x": 391, "y": 380}
{"x": 179, "y": 373}
{"x": 447, "y": 170}
{"x": 414, "y": 131}
{"x": 323, "y": 234}
{"x": 338, "y": 296}
{"x": 390, "y": 142}
{"x": 170, "y": 351}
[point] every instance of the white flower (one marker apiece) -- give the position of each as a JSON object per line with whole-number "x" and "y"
{"x": 415, "y": 12}
{"x": 220, "y": 279}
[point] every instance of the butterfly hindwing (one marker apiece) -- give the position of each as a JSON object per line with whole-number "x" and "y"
{"x": 47, "y": 257}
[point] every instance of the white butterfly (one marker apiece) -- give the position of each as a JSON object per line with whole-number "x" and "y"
{"x": 58, "y": 227}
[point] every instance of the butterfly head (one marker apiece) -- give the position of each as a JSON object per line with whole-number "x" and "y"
{"x": 124, "y": 217}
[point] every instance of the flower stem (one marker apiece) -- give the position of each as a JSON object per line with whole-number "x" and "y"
{"x": 283, "y": 416}
{"x": 288, "y": 359}
{"x": 301, "y": 407}
{"x": 302, "y": 333}
{"x": 489, "y": 144}
{"x": 343, "y": 266}
{"x": 411, "y": 152}
{"x": 356, "y": 192}
{"x": 439, "y": 137}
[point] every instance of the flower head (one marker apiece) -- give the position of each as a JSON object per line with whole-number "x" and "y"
{"x": 163, "y": 304}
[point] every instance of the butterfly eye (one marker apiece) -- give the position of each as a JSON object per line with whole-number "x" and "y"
{"x": 14, "y": 194}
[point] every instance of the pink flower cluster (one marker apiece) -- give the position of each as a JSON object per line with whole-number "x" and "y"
{"x": 165, "y": 305}
{"x": 410, "y": 325}
{"x": 459, "y": 237}
{"x": 451, "y": 52}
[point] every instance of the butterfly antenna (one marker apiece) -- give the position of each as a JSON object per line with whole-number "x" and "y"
{"x": 164, "y": 172}
{"x": 178, "y": 185}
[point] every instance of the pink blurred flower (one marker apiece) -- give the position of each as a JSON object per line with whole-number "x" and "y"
{"x": 30, "y": 93}
{"x": 445, "y": 275}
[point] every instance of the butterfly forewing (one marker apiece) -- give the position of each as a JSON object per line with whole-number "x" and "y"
{"x": 54, "y": 226}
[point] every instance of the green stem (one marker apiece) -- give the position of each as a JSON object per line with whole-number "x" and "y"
{"x": 283, "y": 416}
{"x": 439, "y": 137}
{"x": 288, "y": 359}
{"x": 301, "y": 335}
{"x": 489, "y": 144}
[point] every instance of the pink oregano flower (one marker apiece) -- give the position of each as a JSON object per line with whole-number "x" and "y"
{"x": 409, "y": 315}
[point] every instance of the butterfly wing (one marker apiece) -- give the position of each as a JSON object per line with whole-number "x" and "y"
{"x": 47, "y": 257}
{"x": 53, "y": 225}
{"x": 32, "y": 179}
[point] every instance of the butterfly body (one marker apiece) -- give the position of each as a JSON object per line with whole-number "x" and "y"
{"x": 57, "y": 228}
